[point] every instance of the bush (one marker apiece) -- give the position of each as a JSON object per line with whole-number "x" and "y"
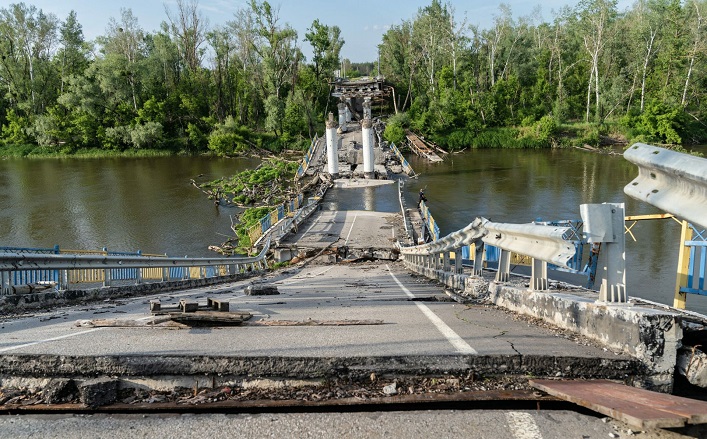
{"x": 146, "y": 135}
{"x": 546, "y": 128}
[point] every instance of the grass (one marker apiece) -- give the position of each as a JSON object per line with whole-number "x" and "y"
{"x": 34, "y": 151}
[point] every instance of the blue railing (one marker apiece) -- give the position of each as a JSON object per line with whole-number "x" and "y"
{"x": 406, "y": 166}
{"x": 696, "y": 271}
{"x": 430, "y": 222}
{"x": 307, "y": 158}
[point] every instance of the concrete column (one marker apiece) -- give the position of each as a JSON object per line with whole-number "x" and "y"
{"x": 348, "y": 110}
{"x": 368, "y": 154}
{"x": 332, "y": 147}
{"x": 342, "y": 116}
{"x": 367, "y": 114}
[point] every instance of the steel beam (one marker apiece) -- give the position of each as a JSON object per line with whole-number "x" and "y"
{"x": 672, "y": 181}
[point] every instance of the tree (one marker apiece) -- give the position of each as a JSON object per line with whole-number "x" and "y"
{"x": 326, "y": 47}
{"x": 596, "y": 17}
{"x": 188, "y": 28}
{"x": 29, "y": 38}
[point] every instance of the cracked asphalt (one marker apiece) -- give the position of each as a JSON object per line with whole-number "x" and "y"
{"x": 418, "y": 319}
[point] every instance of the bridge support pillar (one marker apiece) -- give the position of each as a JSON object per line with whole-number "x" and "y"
{"x": 342, "y": 117}
{"x": 348, "y": 110}
{"x": 332, "y": 147}
{"x": 367, "y": 114}
{"x": 368, "y": 153}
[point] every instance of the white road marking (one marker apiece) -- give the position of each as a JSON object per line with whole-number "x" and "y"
{"x": 351, "y": 229}
{"x": 48, "y": 340}
{"x": 459, "y": 344}
{"x": 523, "y": 426}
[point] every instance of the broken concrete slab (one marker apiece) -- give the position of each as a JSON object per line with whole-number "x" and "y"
{"x": 692, "y": 364}
{"x": 58, "y": 390}
{"x": 97, "y": 392}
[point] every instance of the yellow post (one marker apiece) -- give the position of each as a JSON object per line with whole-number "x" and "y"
{"x": 683, "y": 266}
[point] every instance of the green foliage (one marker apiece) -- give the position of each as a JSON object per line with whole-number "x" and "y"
{"x": 545, "y": 128}
{"x": 14, "y": 131}
{"x": 229, "y": 138}
{"x": 263, "y": 185}
{"x": 657, "y": 123}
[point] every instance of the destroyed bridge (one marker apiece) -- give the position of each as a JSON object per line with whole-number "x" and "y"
{"x": 363, "y": 295}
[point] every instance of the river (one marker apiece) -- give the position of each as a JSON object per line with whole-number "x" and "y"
{"x": 149, "y": 204}
{"x": 123, "y": 204}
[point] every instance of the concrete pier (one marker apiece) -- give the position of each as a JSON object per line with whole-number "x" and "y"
{"x": 332, "y": 145}
{"x": 342, "y": 116}
{"x": 368, "y": 153}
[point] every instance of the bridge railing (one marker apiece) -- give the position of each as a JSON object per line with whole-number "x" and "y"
{"x": 307, "y": 158}
{"x": 542, "y": 243}
{"x": 406, "y": 166}
{"x": 676, "y": 183}
{"x": 21, "y": 272}
{"x": 430, "y": 224}
{"x": 286, "y": 209}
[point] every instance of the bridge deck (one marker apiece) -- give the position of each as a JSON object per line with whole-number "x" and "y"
{"x": 356, "y": 230}
{"x": 418, "y": 332}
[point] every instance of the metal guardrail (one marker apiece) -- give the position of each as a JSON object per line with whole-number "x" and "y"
{"x": 406, "y": 166}
{"x": 543, "y": 243}
{"x": 307, "y": 158}
{"x": 406, "y": 218}
{"x": 676, "y": 183}
{"x": 18, "y": 270}
{"x": 257, "y": 231}
{"x": 430, "y": 223}
{"x": 672, "y": 181}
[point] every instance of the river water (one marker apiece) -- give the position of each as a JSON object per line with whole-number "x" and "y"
{"x": 123, "y": 204}
{"x": 150, "y": 205}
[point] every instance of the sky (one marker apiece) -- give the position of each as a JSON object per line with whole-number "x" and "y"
{"x": 362, "y": 22}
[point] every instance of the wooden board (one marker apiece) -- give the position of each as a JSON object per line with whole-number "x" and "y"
{"x": 637, "y": 407}
{"x": 420, "y": 147}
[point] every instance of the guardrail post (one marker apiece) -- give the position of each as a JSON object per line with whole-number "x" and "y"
{"x": 680, "y": 298}
{"x": 106, "y": 272}
{"x": 63, "y": 279}
{"x": 504, "y": 267}
{"x": 479, "y": 258}
{"x": 447, "y": 264}
{"x": 605, "y": 223}
{"x": 458, "y": 268}
{"x": 4, "y": 282}
{"x": 539, "y": 275}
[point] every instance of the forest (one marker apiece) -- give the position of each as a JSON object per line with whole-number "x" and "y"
{"x": 590, "y": 76}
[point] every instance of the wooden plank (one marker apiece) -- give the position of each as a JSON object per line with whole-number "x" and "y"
{"x": 693, "y": 409}
{"x": 593, "y": 395}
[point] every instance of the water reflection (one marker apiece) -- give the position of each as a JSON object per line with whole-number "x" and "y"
{"x": 149, "y": 204}
{"x": 122, "y": 204}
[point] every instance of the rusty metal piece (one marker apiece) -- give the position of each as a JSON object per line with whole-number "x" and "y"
{"x": 267, "y": 405}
